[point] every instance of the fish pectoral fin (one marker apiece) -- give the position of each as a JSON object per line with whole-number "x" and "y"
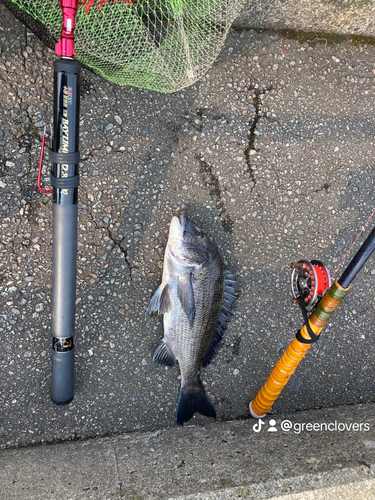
{"x": 165, "y": 300}
{"x": 163, "y": 355}
{"x": 161, "y": 301}
{"x": 185, "y": 295}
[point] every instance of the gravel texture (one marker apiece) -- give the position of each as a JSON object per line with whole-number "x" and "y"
{"x": 271, "y": 154}
{"x": 350, "y": 17}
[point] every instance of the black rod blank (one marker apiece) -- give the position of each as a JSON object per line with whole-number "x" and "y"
{"x": 358, "y": 261}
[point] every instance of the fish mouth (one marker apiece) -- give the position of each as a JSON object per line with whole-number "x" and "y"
{"x": 177, "y": 241}
{"x": 180, "y": 260}
{"x": 178, "y": 224}
{"x": 182, "y": 220}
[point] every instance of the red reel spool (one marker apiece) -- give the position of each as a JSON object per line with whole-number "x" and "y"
{"x": 309, "y": 280}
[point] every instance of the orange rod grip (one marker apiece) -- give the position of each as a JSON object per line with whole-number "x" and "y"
{"x": 295, "y": 351}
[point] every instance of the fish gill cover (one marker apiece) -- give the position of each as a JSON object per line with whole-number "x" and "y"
{"x": 163, "y": 45}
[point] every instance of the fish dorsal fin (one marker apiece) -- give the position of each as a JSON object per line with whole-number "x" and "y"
{"x": 161, "y": 301}
{"x": 231, "y": 285}
{"x": 163, "y": 355}
{"x": 185, "y": 295}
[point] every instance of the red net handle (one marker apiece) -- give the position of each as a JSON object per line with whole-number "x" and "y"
{"x": 65, "y": 46}
{"x": 90, "y": 3}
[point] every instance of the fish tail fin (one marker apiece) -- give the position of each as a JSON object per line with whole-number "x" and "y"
{"x": 193, "y": 399}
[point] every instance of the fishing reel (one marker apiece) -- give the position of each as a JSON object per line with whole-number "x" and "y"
{"x": 309, "y": 281}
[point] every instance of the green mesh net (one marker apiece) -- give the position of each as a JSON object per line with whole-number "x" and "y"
{"x": 163, "y": 45}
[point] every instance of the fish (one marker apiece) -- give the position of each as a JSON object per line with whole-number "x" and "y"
{"x": 196, "y": 298}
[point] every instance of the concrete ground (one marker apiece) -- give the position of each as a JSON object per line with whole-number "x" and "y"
{"x": 220, "y": 461}
{"x": 344, "y": 17}
{"x": 271, "y": 154}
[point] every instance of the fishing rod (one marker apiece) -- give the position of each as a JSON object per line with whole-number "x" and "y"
{"x": 65, "y": 158}
{"x": 311, "y": 287}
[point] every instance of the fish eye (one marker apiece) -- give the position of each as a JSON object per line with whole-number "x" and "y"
{"x": 199, "y": 234}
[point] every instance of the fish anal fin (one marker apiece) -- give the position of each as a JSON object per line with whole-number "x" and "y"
{"x": 185, "y": 294}
{"x": 163, "y": 355}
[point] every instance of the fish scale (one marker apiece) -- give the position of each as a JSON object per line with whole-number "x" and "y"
{"x": 195, "y": 297}
{"x": 189, "y": 346}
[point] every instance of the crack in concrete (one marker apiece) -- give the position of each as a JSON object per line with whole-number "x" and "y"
{"x": 24, "y": 48}
{"x": 3, "y": 168}
{"x": 34, "y": 130}
{"x": 25, "y": 112}
{"x": 236, "y": 345}
{"x": 90, "y": 154}
{"x": 196, "y": 121}
{"x": 119, "y": 485}
{"x": 325, "y": 186}
{"x": 258, "y": 114}
{"x": 115, "y": 241}
{"x": 210, "y": 180}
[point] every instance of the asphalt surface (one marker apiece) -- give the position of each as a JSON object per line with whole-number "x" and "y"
{"x": 271, "y": 154}
{"x": 218, "y": 461}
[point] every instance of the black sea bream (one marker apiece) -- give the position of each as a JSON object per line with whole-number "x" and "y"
{"x": 196, "y": 297}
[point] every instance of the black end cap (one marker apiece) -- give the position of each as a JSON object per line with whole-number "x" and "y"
{"x": 67, "y": 66}
{"x": 63, "y": 403}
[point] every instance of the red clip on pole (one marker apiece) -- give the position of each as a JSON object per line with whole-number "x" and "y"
{"x": 41, "y": 166}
